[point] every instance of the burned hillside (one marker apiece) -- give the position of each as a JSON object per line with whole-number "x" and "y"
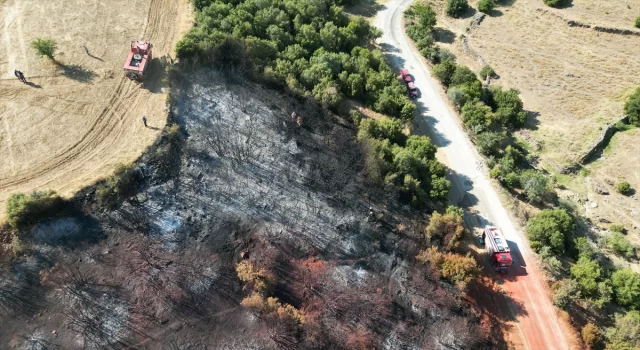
{"x": 249, "y": 229}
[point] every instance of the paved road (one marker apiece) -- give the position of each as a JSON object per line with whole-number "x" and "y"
{"x": 533, "y": 317}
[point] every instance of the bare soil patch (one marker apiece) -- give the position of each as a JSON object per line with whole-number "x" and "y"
{"x": 79, "y": 116}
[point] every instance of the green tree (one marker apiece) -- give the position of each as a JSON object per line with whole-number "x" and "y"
{"x": 444, "y": 71}
{"x": 457, "y": 96}
{"x": 550, "y": 228}
{"x": 564, "y": 292}
{"x": 383, "y": 129}
{"x": 587, "y": 272}
{"x": 27, "y": 209}
{"x": 426, "y": 16}
{"x": 626, "y": 285}
{"x": 476, "y": 116}
{"x": 534, "y": 184}
{"x": 486, "y": 71}
{"x": 620, "y": 245}
{"x": 582, "y": 246}
{"x": 490, "y": 142}
{"x": 625, "y": 334}
{"x": 330, "y": 37}
{"x": 486, "y": 5}
{"x": 45, "y": 47}
{"x": 455, "y": 8}
{"x": 462, "y": 75}
{"x": 421, "y": 146}
{"x": 508, "y": 107}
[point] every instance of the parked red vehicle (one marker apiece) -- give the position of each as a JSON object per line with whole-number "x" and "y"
{"x": 405, "y": 76}
{"x": 413, "y": 90}
{"x": 138, "y": 60}
{"x": 499, "y": 252}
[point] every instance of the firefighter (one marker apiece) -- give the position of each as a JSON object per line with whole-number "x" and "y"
{"x": 372, "y": 215}
{"x": 299, "y": 121}
{"x": 144, "y": 121}
{"x": 293, "y": 117}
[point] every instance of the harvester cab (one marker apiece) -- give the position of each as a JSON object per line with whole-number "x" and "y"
{"x": 498, "y": 249}
{"x": 138, "y": 60}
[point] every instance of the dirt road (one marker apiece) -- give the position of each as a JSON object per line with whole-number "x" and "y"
{"x": 79, "y": 116}
{"x": 536, "y": 324}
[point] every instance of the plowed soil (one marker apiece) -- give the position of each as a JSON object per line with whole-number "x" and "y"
{"x": 79, "y": 115}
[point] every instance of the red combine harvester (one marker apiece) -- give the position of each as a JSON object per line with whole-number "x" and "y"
{"x": 499, "y": 252}
{"x": 138, "y": 60}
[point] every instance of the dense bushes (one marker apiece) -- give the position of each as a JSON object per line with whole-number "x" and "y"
{"x": 624, "y": 335}
{"x": 550, "y": 228}
{"x": 422, "y": 19}
{"x": 311, "y": 47}
{"x": 626, "y": 284}
{"x": 445, "y": 229}
{"x": 620, "y": 245}
{"x": 486, "y": 71}
{"x": 455, "y": 8}
{"x": 455, "y": 268}
{"x": 23, "y": 210}
{"x": 591, "y": 335}
{"x": 406, "y": 162}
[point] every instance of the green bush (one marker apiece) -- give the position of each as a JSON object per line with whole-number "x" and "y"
{"x": 462, "y": 75}
{"x": 507, "y": 107}
{"x": 555, "y": 3}
{"x": 620, "y": 245}
{"x": 384, "y": 128}
{"x": 445, "y": 55}
{"x": 623, "y": 188}
{"x": 457, "y": 96}
{"x": 486, "y": 71}
{"x": 486, "y": 5}
{"x": 587, "y": 272}
{"x": 44, "y": 47}
{"x": 455, "y": 8}
{"x": 550, "y": 228}
{"x": 490, "y": 142}
{"x": 617, "y": 228}
{"x": 565, "y": 292}
{"x": 632, "y": 108}
{"x": 453, "y": 210}
{"x": 534, "y": 184}
{"x": 444, "y": 71}
{"x": 512, "y": 180}
{"x": 476, "y": 116}
{"x": 583, "y": 248}
{"x": 551, "y": 263}
{"x": 121, "y": 185}
{"x": 24, "y": 210}
{"x": 624, "y": 335}
{"x": 626, "y": 285}
{"x": 638, "y": 22}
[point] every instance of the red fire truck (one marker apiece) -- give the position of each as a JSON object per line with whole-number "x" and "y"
{"x": 138, "y": 60}
{"x": 499, "y": 252}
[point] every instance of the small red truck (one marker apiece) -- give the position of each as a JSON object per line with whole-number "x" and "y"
{"x": 408, "y": 79}
{"x": 138, "y": 60}
{"x": 499, "y": 252}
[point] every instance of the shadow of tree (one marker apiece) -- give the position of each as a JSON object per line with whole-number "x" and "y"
{"x": 444, "y": 35}
{"x": 365, "y": 8}
{"x": 77, "y": 72}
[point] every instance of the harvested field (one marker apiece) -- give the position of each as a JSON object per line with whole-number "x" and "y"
{"x": 574, "y": 80}
{"x": 79, "y": 116}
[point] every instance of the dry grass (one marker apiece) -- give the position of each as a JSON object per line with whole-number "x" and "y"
{"x": 575, "y": 78}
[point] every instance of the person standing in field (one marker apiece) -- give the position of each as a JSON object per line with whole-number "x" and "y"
{"x": 144, "y": 121}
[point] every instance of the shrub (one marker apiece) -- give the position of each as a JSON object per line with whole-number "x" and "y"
{"x": 476, "y": 116}
{"x": 586, "y": 272}
{"x": 255, "y": 279}
{"x": 382, "y": 129}
{"x": 512, "y": 180}
{"x": 638, "y": 22}
{"x": 463, "y": 75}
{"x": 565, "y": 292}
{"x": 486, "y": 71}
{"x": 624, "y": 335}
{"x": 582, "y": 246}
{"x": 620, "y": 245}
{"x": 486, "y": 5}
{"x": 455, "y": 8}
{"x": 445, "y": 55}
{"x": 534, "y": 184}
{"x": 490, "y": 143}
{"x": 555, "y": 3}
{"x": 508, "y": 107}
{"x": 444, "y": 71}
{"x": 623, "y": 188}
{"x": 453, "y": 210}
{"x": 551, "y": 263}
{"x": 632, "y": 107}
{"x": 591, "y": 335}
{"x": 24, "y": 210}
{"x": 617, "y": 228}
{"x": 456, "y": 268}
{"x": 457, "y": 96}
{"x": 445, "y": 228}
{"x": 626, "y": 285}
{"x": 550, "y": 228}
{"x": 45, "y": 47}
{"x": 121, "y": 185}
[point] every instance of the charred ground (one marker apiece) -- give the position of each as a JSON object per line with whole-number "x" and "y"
{"x": 158, "y": 269}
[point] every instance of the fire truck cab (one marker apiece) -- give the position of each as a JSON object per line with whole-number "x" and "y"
{"x": 499, "y": 252}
